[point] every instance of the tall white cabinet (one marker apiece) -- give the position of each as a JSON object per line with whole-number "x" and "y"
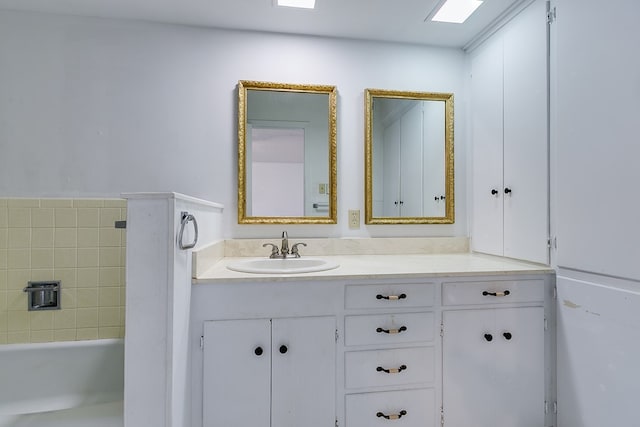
{"x": 510, "y": 139}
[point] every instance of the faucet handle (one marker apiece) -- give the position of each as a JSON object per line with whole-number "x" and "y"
{"x": 294, "y": 249}
{"x": 274, "y": 250}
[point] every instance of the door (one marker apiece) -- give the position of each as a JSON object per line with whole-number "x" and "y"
{"x": 237, "y": 373}
{"x": 304, "y": 364}
{"x": 493, "y": 367}
{"x": 487, "y": 134}
{"x": 525, "y": 136}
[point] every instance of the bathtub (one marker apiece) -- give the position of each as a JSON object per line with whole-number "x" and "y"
{"x": 66, "y": 384}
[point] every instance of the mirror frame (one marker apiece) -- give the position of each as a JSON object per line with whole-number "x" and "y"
{"x": 447, "y": 98}
{"x": 243, "y": 87}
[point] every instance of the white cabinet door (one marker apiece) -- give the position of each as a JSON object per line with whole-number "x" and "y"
{"x": 510, "y": 144}
{"x": 493, "y": 367}
{"x": 303, "y": 385}
{"x": 237, "y": 373}
{"x": 391, "y": 171}
{"x": 411, "y": 173}
{"x": 525, "y": 136}
{"x": 264, "y": 373}
{"x": 487, "y": 131}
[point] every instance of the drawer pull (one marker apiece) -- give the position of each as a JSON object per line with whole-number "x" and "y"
{"x": 488, "y": 337}
{"x": 496, "y": 294}
{"x": 507, "y": 336}
{"x": 392, "y": 416}
{"x": 391, "y": 297}
{"x": 392, "y": 370}
{"x": 392, "y": 331}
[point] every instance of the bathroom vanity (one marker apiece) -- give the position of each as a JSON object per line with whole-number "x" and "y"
{"x": 403, "y": 340}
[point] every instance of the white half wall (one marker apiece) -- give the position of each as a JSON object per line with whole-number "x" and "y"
{"x": 98, "y": 107}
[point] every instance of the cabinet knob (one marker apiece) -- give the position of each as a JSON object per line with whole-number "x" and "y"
{"x": 494, "y": 192}
{"x": 391, "y": 297}
{"x": 507, "y": 190}
{"x": 283, "y": 349}
{"x": 507, "y": 336}
{"x": 258, "y": 351}
{"x": 391, "y": 331}
{"x": 392, "y": 416}
{"x": 488, "y": 337}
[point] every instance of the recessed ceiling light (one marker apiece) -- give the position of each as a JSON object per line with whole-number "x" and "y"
{"x": 456, "y": 11}
{"x": 304, "y": 4}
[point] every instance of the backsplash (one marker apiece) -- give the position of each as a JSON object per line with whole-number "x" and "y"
{"x": 71, "y": 240}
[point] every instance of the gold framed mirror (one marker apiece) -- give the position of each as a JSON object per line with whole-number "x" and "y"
{"x": 409, "y": 176}
{"x": 287, "y": 170}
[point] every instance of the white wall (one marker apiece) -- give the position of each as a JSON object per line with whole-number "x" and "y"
{"x": 595, "y": 210}
{"x": 95, "y": 107}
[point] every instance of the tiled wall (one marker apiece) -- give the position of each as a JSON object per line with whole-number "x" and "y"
{"x": 71, "y": 240}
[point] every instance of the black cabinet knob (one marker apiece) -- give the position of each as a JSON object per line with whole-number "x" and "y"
{"x": 507, "y": 190}
{"x": 507, "y": 336}
{"x": 258, "y": 351}
{"x": 494, "y": 191}
{"x": 283, "y": 349}
{"x": 488, "y": 337}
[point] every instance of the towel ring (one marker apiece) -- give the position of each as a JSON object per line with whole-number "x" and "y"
{"x": 186, "y": 218}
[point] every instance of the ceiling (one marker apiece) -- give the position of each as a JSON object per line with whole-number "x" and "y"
{"x": 381, "y": 20}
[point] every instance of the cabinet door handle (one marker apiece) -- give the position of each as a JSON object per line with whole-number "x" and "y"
{"x": 392, "y": 331}
{"x": 496, "y": 294}
{"x": 494, "y": 192}
{"x": 391, "y": 297}
{"x": 488, "y": 337}
{"x": 507, "y": 190}
{"x": 258, "y": 351}
{"x": 392, "y": 416}
{"x": 391, "y": 370}
{"x": 507, "y": 336}
{"x": 283, "y": 349}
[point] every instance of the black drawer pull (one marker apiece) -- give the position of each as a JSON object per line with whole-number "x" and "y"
{"x": 507, "y": 336}
{"x": 488, "y": 337}
{"x": 283, "y": 349}
{"x": 392, "y": 370}
{"x": 391, "y": 297}
{"x": 392, "y": 416}
{"x": 392, "y": 331}
{"x": 258, "y": 351}
{"x": 496, "y": 294}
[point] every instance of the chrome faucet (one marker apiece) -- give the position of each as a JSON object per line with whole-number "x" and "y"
{"x": 284, "y": 249}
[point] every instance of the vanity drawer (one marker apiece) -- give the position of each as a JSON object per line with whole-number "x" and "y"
{"x": 390, "y": 296}
{"x": 391, "y": 328}
{"x": 493, "y": 292}
{"x": 406, "y": 408}
{"x": 398, "y": 366}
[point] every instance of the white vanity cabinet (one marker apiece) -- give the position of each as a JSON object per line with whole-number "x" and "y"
{"x": 269, "y": 372}
{"x": 414, "y": 350}
{"x": 493, "y": 354}
{"x": 509, "y": 139}
{"x": 390, "y": 355}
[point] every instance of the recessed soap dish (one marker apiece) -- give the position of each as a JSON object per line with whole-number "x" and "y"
{"x": 43, "y": 295}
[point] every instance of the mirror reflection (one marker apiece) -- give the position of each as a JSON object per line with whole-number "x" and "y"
{"x": 408, "y": 157}
{"x": 286, "y": 153}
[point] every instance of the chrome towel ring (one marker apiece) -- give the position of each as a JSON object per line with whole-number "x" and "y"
{"x": 186, "y": 217}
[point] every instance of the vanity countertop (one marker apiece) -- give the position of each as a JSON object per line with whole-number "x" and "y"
{"x": 354, "y": 267}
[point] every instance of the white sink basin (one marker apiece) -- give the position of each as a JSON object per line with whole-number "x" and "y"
{"x": 282, "y": 266}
